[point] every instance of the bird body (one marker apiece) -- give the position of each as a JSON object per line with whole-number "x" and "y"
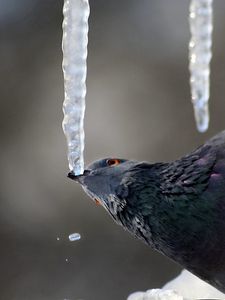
{"x": 177, "y": 208}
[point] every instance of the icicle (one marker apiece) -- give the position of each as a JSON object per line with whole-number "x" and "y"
{"x": 200, "y": 55}
{"x": 74, "y": 45}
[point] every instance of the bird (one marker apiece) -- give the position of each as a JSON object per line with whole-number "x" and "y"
{"x": 177, "y": 208}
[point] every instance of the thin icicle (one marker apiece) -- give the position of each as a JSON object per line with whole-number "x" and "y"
{"x": 74, "y": 45}
{"x": 199, "y": 58}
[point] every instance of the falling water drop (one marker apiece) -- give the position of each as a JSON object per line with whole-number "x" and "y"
{"x": 74, "y": 237}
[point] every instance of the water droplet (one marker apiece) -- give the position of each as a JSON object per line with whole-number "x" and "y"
{"x": 74, "y": 237}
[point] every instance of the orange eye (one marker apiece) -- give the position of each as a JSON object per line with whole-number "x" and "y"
{"x": 113, "y": 162}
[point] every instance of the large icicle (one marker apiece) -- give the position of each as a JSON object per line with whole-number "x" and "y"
{"x": 200, "y": 55}
{"x": 74, "y": 45}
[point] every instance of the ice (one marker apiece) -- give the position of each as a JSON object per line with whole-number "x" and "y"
{"x": 74, "y": 45}
{"x": 74, "y": 237}
{"x": 200, "y": 54}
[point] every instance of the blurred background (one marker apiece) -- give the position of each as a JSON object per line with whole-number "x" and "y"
{"x": 138, "y": 106}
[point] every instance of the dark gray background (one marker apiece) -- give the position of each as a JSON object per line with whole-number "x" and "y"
{"x": 138, "y": 106}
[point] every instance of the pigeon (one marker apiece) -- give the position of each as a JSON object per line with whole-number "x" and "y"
{"x": 177, "y": 208}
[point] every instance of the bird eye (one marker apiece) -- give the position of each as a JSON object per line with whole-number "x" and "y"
{"x": 112, "y": 162}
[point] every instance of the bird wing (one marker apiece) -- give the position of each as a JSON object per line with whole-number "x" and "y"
{"x": 197, "y": 171}
{"x": 190, "y": 174}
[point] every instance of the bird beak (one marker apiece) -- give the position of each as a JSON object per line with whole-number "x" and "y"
{"x": 78, "y": 178}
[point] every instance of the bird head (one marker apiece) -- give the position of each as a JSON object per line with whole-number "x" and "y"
{"x": 101, "y": 180}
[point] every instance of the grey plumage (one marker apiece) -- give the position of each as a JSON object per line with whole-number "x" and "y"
{"x": 177, "y": 208}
